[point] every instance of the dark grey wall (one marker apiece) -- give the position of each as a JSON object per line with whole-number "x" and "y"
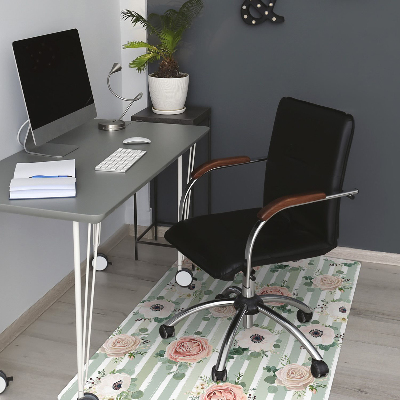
{"x": 338, "y": 53}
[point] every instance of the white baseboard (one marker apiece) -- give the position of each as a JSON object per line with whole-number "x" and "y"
{"x": 34, "y": 312}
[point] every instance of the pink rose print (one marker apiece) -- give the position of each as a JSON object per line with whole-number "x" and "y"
{"x": 189, "y": 349}
{"x": 157, "y": 308}
{"x": 119, "y": 345}
{"x": 327, "y": 282}
{"x": 294, "y": 377}
{"x": 279, "y": 290}
{"x": 225, "y": 391}
{"x": 319, "y": 334}
{"x": 256, "y": 339}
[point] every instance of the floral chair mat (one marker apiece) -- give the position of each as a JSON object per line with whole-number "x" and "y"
{"x": 265, "y": 362}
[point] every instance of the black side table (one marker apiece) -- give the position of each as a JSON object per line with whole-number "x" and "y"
{"x": 192, "y": 116}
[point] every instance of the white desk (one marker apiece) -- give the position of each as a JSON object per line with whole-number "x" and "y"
{"x": 98, "y": 194}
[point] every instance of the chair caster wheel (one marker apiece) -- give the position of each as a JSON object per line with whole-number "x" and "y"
{"x": 218, "y": 375}
{"x": 226, "y": 294}
{"x": 304, "y": 317}
{"x": 166, "y": 331}
{"x": 319, "y": 369}
{"x": 4, "y": 381}
{"x": 184, "y": 277}
{"x": 102, "y": 262}
{"x": 89, "y": 396}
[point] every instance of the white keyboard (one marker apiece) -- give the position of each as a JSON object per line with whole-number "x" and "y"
{"x": 121, "y": 160}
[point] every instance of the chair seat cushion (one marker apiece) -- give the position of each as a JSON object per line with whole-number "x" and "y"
{"x": 217, "y": 242}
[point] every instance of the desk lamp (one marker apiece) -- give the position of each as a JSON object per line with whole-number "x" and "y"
{"x": 118, "y": 124}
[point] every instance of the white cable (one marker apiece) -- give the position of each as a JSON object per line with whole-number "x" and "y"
{"x": 20, "y": 129}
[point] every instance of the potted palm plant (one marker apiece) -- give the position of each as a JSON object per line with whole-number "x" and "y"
{"x": 168, "y": 86}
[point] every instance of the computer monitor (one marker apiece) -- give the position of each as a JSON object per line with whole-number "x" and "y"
{"x": 56, "y": 88}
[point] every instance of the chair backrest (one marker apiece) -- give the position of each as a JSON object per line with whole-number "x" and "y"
{"x": 309, "y": 148}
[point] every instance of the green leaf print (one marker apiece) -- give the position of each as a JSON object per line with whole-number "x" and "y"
{"x": 237, "y": 351}
{"x": 270, "y": 379}
{"x": 178, "y": 376}
{"x": 160, "y": 353}
{"x": 160, "y": 320}
{"x": 183, "y": 367}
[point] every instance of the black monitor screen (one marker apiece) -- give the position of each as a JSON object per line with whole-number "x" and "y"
{"x": 53, "y": 76}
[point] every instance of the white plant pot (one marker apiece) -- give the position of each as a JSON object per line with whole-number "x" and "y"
{"x": 168, "y": 95}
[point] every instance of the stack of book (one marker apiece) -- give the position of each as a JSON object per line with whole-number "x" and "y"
{"x": 43, "y": 180}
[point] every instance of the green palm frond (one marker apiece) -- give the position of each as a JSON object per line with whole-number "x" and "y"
{"x": 169, "y": 40}
{"x": 168, "y": 27}
{"x": 136, "y": 18}
{"x": 139, "y": 44}
{"x": 186, "y": 14}
{"x": 140, "y": 63}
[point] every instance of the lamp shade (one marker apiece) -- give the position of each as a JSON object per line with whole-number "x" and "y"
{"x": 115, "y": 68}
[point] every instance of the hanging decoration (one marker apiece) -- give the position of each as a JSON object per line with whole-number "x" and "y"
{"x": 265, "y": 11}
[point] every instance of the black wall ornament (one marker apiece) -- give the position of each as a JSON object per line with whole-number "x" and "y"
{"x": 265, "y": 11}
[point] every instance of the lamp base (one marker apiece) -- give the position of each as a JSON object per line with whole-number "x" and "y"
{"x": 109, "y": 125}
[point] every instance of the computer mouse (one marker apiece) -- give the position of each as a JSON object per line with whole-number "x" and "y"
{"x": 136, "y": 140}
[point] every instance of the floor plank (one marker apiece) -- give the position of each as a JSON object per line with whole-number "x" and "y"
{"x": 369, "y": 362}
{"x": 43, "y": 359}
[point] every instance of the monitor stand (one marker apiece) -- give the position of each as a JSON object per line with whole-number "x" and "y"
{"x": 48, "y": 149}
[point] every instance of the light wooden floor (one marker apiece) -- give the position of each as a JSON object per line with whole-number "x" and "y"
{"x": 43, "y": 358}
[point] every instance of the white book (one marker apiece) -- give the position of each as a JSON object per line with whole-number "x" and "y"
{"x": 42, "y": 183}
{"x": 46, "y": 168}
{"x": 47, "y": 179}
{"x": 42, "y": 194}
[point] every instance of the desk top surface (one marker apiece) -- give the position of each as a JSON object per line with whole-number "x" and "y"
{"x": 100, "y": 193}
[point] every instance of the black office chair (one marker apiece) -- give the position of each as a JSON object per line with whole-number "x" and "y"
{"x": 305, "y": 166}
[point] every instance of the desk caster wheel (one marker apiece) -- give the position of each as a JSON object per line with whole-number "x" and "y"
{"x": 319, "y": 369}
{"x": 184, "y": 277}
{"x": 89, "y": 396}
{"x": 4, "y": 381}
{"x": 102, "y": 262}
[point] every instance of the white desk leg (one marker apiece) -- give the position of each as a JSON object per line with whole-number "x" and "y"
{"x": 78, "y": 308}
{"x": 83, "y": 340}
{"x": 192, "y": 153}
{"x": 180, "y": 255}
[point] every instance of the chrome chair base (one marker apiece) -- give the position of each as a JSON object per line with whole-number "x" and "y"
{"x": 246, "y": 308}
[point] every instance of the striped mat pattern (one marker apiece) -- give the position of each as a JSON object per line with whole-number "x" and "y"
{"x": 265, "y": 362}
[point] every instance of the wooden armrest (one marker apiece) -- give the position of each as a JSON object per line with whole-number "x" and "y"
{"x": 219, "y": 162}
{"x": 288, "y": 201}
